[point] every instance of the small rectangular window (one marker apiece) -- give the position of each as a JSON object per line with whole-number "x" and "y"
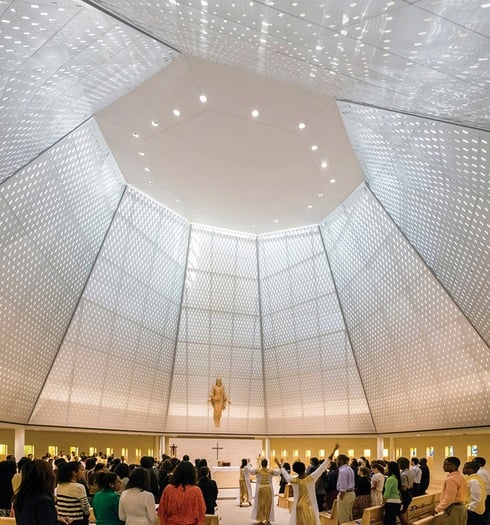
{"x": 429, "y": 452}
{"x": 413, "y": 452}
{"x": 53, "y": 450}
{"x": 449, "y": 450}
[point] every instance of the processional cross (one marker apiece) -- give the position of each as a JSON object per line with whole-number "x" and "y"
{"x": 217, "y": 448}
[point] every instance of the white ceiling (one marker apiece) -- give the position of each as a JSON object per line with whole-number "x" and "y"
{"x": 217, "y": 164}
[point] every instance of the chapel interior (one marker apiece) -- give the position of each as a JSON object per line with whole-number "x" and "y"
{"x": 293, "y": 197}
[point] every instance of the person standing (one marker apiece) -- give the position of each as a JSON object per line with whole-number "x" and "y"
{"x": 263, "y": 509}
{"x": 392, "y": 500}
{"x": 425, "y": 478}
{"x": 106, "y": 501}
{"x": 346, "y": 489}
{"x": 485, "y": 474}
{"x": 377, "y": 484}
{"x": 305, "y": 505}
{"x": 245, "y": 485}
{"x": 71, "y": 496}
{"x": 417, "y": 476}
{"x": 477, "y": 491}
{"x": 454, "y": 494}
{"x": 182, "y": 501}
{"x": 209, "y": 489}
{"x": 137, "y": 504}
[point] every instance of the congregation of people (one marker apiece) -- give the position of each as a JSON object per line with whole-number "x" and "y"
{"x": 59, "y": 490}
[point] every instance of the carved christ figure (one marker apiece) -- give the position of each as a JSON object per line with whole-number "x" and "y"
{"x": 218, "y": 401}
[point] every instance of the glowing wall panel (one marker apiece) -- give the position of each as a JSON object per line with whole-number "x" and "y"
{"x": 433, "y": 179}
{"x": 422, "y": 364}
{"x": 60, "y": 62}
{"x": 219, "y": 336}
{"x": 312, "y": 383}
{"x": 53, "y": 217}
{"x": 114, "y": 368}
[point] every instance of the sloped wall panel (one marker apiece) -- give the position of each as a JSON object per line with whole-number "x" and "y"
{"x": 61, "y": 62}
{"x": 422, "y": 364}
{"x": 433, "y": 179}
{"x": 114, "y": 368}
{"x": 53, "y": 217}
{"x": 312, "y": 383}
{"x": 219, "y": 336}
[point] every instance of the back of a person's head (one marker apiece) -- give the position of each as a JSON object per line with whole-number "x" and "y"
{"x": 99, "y": 466}
{"x": 22, "y": 461}
{"x": 203, "y": 462}
{"x": 364, "y": 471}
{"x": 37, "y": 478}
{"x": 8, "y": 468}
{"x": 139, "y": 478}
{"x": 415, "y": 461}
{"x": 122, "y": 470}
{"x": 264, "y": 463}
{"x": 204, "y": 472}
{"x": 342, "y": 459}
{"x": 90, "y": 463}
{"x": 299, "y": 467}
{"x": 185, "y": 457}
{"x": 423, "y": 461}
{"x": 66, "y": 471}
{"x": 286, "y": 466}
{"x": 314, "y": 461}
{"x": 393, "y": 469}
{"x": 147, "y": 462}
{"x": 333, "y": 466}
{"x": 106, "y": 480}
{"x": 379, "y": 467}
{"x": 481, "y": 461}
{"x": 244, "y": 463}
{"x": 403, "y": 463}
{"x": 185, "y": 474}
{"x": 454, "y": 461}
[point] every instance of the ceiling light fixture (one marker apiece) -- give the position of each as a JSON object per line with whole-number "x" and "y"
{"x": 301, "y": 125}
{"x": 154, "y": 123}
{"x": 203, "y": 99}
{"x": 276, "y": 220}
{"x": 136, "y": 135}
{"x": 141, "y": 153}
{"x": 147, "y": 169}
{"x": 314, "y": 147}
{"x": 320, "y": 194}
{"x": 255, "y": 113}
{"x": 332, "y": 181}
{"x": 310, "y": 206}
{"x": 176, "y": 112}
{"x": 324, "y": 164}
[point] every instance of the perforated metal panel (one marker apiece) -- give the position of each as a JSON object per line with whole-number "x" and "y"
{"x": 60, "y": 62}
{"x": 53, "y": 217}
{"x": 219, "y": 336}
{"x": 433, "y": 179}
{"x": 312, "y": 378}
{"x": 114, "y": 368}
{"x": 422, "y": 364}
{"x": 419, "y": 57}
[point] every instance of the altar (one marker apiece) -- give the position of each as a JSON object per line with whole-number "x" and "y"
{"x": 226, "y": 477}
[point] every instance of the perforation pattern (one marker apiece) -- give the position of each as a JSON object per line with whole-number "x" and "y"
{"x": 126, "y": 325}
{"x": 422, "y": 364}
{"x": 304, "y": 340}
{"x": 219, "y": 335}
{"x": 54, "y": 215}
{"x": 432, "y": 178}
{"x": 59, "y": 65}
{"x": 419, "y": 57}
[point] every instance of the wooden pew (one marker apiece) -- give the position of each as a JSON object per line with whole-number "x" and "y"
{"x": 7, "y": 521}
{"x": 438, "y": 519}
{"x": 370, "y": 516}
{"x": 282, "y": 499}
{"x": 330, "y": 518}
{"x": 211, "y": 519}
{"x": 421, "y": 507}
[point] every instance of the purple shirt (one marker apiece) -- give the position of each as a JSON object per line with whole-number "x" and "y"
{"x": 345, "y": 479}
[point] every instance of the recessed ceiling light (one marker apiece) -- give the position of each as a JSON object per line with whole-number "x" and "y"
{"x": 314, "y": 147}
{"x": 332, "y": 181}
{"x": 176, "y": 112}
{"x": 150, "y": 182}
{"x": 276, "y": 220}
{"x": 203, "y": 99}
{"x": 136, "y": 135}
{"x": 154, "y": 123}
{"x": 320, "y": 194}
{"x": 301, "y": 125}
{"x": 255, "y": 113}
{"x": 324, "y": 164}
{"x": 310, "y": 206}
{"x": 147, "y": 169}
{"x": 141, "y": 153}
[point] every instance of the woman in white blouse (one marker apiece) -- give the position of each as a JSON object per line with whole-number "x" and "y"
{"x": 137, "y": 504}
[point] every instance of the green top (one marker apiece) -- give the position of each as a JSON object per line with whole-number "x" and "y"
{"x": 106, "y": 508}
{"x": 391, "y": 492}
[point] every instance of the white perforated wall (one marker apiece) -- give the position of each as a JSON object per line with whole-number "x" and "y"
{"x": 60, "y": 62}
{"x": 312, "y": 383}
{"x": 54, "y": 215}
{"x": 219, "y": 336}
{"x": 114, "y": 368}
{"x": 433, "y": 179}
{"x": 422, "y": 364}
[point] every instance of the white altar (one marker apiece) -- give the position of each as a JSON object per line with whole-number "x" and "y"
{"x": 226, "y": 477}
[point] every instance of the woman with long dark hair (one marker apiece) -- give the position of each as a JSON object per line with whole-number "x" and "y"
{"x": 182, "y": 501}
{"x": 71, "y": 496}
{"x": 137, "y": 503}
{"x": 34, "y": 501}
{"x": 392, "y": 494}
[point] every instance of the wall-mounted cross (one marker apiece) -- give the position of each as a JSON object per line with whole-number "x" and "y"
{"x": 217, "y": 448}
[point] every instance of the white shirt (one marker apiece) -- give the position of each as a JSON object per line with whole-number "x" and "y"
{"x": 417, "y": 473}
{"x": 485, "y": 475}
{"x": 475, "y": 494}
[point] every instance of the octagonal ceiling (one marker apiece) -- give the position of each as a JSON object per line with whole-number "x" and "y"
{"x": 187, "y": 138}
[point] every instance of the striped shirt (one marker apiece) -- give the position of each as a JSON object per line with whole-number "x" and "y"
{"x": 72, "y": 501}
